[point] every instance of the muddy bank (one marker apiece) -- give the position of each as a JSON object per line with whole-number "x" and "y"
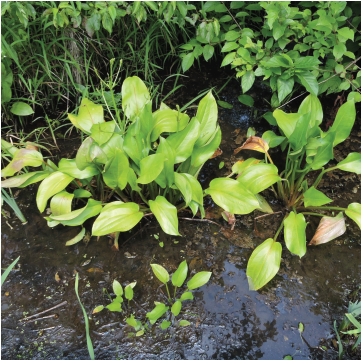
{"x": 233, "y": 322}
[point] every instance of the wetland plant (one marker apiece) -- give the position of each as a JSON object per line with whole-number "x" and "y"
{"x": 147, "y": 161}
{"x": 308, "y": 149}
{"x": 160, "y": 309}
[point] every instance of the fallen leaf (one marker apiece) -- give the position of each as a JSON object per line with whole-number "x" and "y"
{"x": 57, "y": 277}
{"x": 328, "y": 229}
{"x": 216, "y": 153}
{"x": 213, "y": 212}
{"x": 85, "y": 263}
{"x": 254, "y": 143}
{"x": 95, "y": 270}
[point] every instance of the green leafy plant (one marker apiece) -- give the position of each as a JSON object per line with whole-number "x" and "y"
{"x": 149, "y": 160}
{"x": 289, "y": 47}
{"x": 12, "y": 203}
{"x": 161, "y": 309}
{"x": 6, "y": 273}
{"x": 308, "y": 149}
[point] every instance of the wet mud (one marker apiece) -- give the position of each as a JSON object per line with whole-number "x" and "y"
{"x": 232, "y": 322}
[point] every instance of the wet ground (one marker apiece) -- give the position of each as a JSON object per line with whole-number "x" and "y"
{"x": 233, "y": 322}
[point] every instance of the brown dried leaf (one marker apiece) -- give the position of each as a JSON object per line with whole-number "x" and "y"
{"x": 254, "y": 143}
{"x": 230, "y": 218}
{"x": 329, "y": 228}
{"x": 95, "y": 270}
{"x": 31, "y": 146}
{"x": 216, "y": 153}
{"x": 213, "y": 212}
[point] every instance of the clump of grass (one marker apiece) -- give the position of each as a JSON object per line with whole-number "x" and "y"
{"x": 12, "y": 203}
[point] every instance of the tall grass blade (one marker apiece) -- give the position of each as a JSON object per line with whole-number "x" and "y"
{"x": 7, "y": 271}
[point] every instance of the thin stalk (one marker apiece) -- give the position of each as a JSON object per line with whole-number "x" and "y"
{"x": 319, "y": 178}
{"x": 175, "y": 290}
{"x": 12, "y": 203}
{"x": 310, "y": 213}
{"x": 143, "y": 198}
{"x": 326, "y": 208}
{"x": 169, "y": 298}
{"x": 280, "y": 228}
{"x": 116, "y": 240}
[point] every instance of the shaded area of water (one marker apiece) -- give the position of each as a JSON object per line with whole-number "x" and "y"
{"x": 233, "y": 322}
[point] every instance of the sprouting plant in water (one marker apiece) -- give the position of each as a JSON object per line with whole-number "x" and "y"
{"x": 308, "y": 149}
{"x": 147, "y": 161}
{"x": 161, "y": 309}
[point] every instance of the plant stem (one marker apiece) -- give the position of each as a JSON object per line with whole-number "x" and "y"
{"x": 143, "y": 198}
{"x": 310, "y": 213}
{"x": 319, "y": 178}
{"x": 175, "y": 290}
{"x": 169, "y": 298}
{"x": 280, "y": 228}
{"x": 326, "y": 208}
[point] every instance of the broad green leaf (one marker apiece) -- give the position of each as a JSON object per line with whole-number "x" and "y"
{"x": 232, "y": 196}
{"x": 115, "y": 306}
{"x": 166, "y": 177}
{"x": 324, "y": 152}
{"x": 208, "y": 51}
{"x": 246, "y": 100}
{"x": 201, "y": 154}
{"x": 116, "y": 171}
{"x": 134, "y": 96}
{"x": 165, "y": 324}
{"x": 352, "y": 163}
{"x": 128, "y": 292}
{"x": 309, "y": 81}
{"x": 22, "y": 157}
{"x": 82, "y": 158}
{"x": 117, "y": 288}
{"x": 346, "y": 32}
{"x": 284, "y": 87}
{"x": 168, "y": 120}
{"x": 21, "y": 109}
{"x": 306, "y": 62}
{"x": 166, "y": 214}
{"x": 355, "y": 96}
{"x": 339, "y": 50}
{"x": 120, "y": 217}
{"x": 287, "y": 122}
{"x": 61, "y": 203}
{"x": 354, "y": 212}
{"x": 76, "y": 239}
{"x": 69, "y": 167}
{"x": 299, "y": 136}
{"x": 344, "y": 121}
{"x": 272, "y": 139}
{"x": 247, "y": 80}
{"x": 81, "y": 193}
{"x": 228, "y": 58}
{"x": 176, "y": 308}
{"x": 263, "y": 204}
{"x": 88, "y": 115}
{"x": 329, "y": 228}
{"x": 224, "y": 104}
{"x": 131, "y": 321}
{"x": 199, "y": 280}
{"x": 50, "y": 186}
{"x": 157, "y": 312}
{"x": 150, "y": 168}
{"x": 180, "y": 274}
{"x": 102, "y": 132}
{"x": 98, "y": 309}
{"x": 133, "y": 149}
{"x": 186, "y": 296}
{"x": 24, "y": 180}
{"x": 187, "y": 61}
{"x": 160, "y": 273}
{"x": 258, "y": 178}
{"x": 8, "y": 148}
{"x": 184, "y": 186}
{"x": 132, "y": 180}
{"x": 270, "y": 118}
{"x": 295, "y": 233}
{"x": 207, "y": 114}
{"x": 184, "y": 323}
{"x": 77, "y": 217}
{"x": 242, "y": 165}
{"x": 112, "y": 145}
{"x": 264, "y": 264}
{"x": 314, "y": 197}
{"x": 197, "y": 192}
{"x": 313, "y": 105}
{"x": 183, "y": 141}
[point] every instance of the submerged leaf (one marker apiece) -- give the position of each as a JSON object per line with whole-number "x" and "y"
{"x": 180, "y": 274}
{"x": 199, "y": 280}
{"x": 329, "y": 228}
{"x": 264, "y": 264}
{"x": 254, "y": 143}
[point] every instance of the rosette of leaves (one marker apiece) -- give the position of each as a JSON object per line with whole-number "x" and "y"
{"x": 309, "y": 149}
{"x": 149, "y": 160}
{"x": 288, "y": 46}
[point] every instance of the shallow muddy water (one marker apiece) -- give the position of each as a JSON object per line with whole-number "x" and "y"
{"x": 233, "y": 322}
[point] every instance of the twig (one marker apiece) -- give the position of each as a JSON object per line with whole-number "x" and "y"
{"x": 350, "y": 64}
{"x": 49, "y": 328}
{"x": 141, "y": 229}
{"x": 45, "y": 317}
{"x": 202, "y": 220}
{"x": 232, "y": 17}
{"x": 45, "y": 311}
{"x": 107, "y": 325}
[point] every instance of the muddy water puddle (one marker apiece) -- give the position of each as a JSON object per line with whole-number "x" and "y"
{"x": 232, "y": 322}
